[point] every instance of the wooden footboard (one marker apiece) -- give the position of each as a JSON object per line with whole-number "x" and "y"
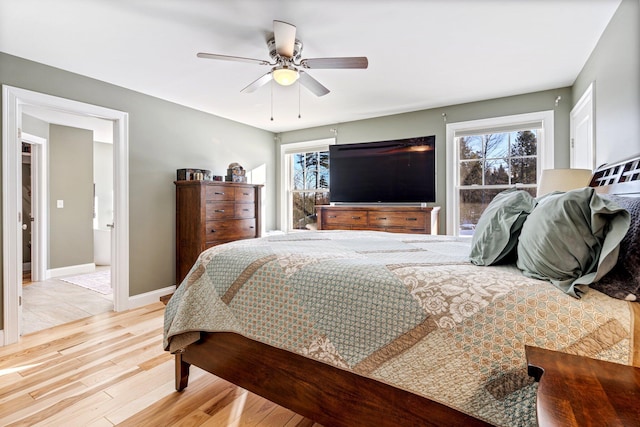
{"x": 325, "y": 394}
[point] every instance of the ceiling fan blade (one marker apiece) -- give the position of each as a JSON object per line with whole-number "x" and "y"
{"x": 231, "y": 58}
{"x": 312, "y": 84}
{"x": 285, "y": 38}
{"x": 258, "y": 83}
{"x": 345, "y": 62}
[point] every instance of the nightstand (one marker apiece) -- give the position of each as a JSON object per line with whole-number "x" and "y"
{"x": 580, "y": 391}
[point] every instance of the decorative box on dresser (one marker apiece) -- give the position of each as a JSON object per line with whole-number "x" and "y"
{"x": 397, "y": 219}
{"x": 209, "y": 213}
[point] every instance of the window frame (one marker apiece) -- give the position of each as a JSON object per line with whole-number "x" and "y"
{"x": 286, "y": 160}
{"x": 545, "y": 154}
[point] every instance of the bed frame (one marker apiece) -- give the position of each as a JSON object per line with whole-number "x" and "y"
{"x": 333, "y": 396}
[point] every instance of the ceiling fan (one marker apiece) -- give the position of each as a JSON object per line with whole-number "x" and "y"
{"x": 287, "y": 66}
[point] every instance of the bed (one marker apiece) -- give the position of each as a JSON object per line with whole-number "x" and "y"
{"x": 369, "y": 328}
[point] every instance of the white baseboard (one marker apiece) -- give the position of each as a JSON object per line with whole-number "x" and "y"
{"x": 72, "y": 269}
{"x": 149, "y": 297}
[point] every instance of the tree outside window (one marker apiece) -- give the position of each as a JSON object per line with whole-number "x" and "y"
{"x": 491, "y": 163}
{"x": 310, "y": 187}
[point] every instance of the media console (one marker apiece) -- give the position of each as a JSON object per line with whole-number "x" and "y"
{"x": 397, "y": 219}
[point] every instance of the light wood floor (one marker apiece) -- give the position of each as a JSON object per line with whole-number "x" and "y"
{"x": 110, "y": 369}
{"x": 53, "y": 302}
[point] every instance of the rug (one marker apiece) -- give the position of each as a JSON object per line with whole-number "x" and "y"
{"x": 100, "y": 281}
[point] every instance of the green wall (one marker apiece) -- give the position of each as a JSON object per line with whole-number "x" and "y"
{"x": 70, "y": 180}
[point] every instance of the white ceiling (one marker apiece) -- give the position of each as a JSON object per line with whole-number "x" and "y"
{"x": 422, "y": 54}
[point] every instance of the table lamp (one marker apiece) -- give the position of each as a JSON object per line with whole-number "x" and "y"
{"x": 563, "y": 180}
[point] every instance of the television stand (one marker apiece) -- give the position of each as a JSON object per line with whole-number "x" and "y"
{"x": 397, "y": 219}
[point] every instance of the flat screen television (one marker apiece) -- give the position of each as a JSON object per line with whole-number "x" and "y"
{"x": 396, "y": 171}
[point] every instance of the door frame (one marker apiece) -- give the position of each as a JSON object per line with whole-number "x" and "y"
{"x": 12, "y": 101}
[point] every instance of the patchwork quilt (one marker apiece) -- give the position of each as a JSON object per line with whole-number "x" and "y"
{"x": 406, "y": 309}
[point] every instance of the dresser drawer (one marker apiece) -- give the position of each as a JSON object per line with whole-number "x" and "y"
{"x": 220, "y": 210}
{"x": 397, "y": 219}
{"x": 346, "y": 218}
{"x": 245, "y": 195}
{"x": 230, "y": 229}
{"x": 245, "y": 210}
{"x": 220, "y": 193}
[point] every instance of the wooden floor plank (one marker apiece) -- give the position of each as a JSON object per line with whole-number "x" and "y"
{"x": 151, "y": 393}
{"x": 111, "y": 369}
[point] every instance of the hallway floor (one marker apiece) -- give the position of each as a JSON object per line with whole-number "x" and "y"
{"x": 53, "y": 302}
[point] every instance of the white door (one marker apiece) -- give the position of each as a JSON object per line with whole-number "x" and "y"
{"x": 581, "y": 122}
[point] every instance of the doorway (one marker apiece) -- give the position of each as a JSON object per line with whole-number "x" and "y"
{"x": 15, "y": 100}
{"x": 76, "y": 282}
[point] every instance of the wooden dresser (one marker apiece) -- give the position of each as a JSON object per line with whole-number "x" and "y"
{"x": 209, "y": 213}
{"x": 397, "y": 219}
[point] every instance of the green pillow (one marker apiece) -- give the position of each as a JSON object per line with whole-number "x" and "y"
{"x": 572, "y": 238}
{"x": 497, "y": 231}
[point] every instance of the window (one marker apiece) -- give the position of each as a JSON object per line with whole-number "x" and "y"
{"x": 306, "y": 183}
{"x": 310, "y": 187}
{"x": 489, "y": 156}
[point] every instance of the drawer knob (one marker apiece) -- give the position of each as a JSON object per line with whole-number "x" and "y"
{"x": 245, "y": 210}
{"x": 355, "y": 217}
{"x": 251, "y": 226}
{"x": 411, "y": 219}
{"x": 213, "y": 231}
{"x": 245, "y": 194}
{"x": 382, "y": 218}
{"x": 332, "y": 216}
{"x": 219, "y": 193}
{"x": 219, "y": 210}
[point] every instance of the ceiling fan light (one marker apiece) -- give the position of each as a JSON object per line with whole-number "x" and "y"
{"x": 285, "y": 75}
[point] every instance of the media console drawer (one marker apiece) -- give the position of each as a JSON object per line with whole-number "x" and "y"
{"x": 399, "y": 219}
{"x": 346, "y": 217}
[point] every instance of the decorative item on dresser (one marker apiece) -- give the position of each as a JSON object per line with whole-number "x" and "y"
{"x": 398, "y": 219}
{"x": 209, "y": 213}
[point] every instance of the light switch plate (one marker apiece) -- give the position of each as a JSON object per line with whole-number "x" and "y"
{"x": 60, "y": 203}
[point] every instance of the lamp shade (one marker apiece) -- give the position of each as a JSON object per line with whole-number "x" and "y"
{"x": 563, "y": 180}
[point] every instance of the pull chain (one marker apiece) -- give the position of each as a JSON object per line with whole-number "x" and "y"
{"x": 299, "y": 100}
{"x": 271, "y": 100}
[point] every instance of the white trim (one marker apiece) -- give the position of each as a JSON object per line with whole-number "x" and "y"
{"x": 150, "y": 297}
{"x": 285, "y": 165}
{"x": 11, "y": 225}
{"x": 71, "y": 270}
{"x": 545, "y": 153}
{"x": 1, "y": 338}
{"x": 12, "y": 102}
